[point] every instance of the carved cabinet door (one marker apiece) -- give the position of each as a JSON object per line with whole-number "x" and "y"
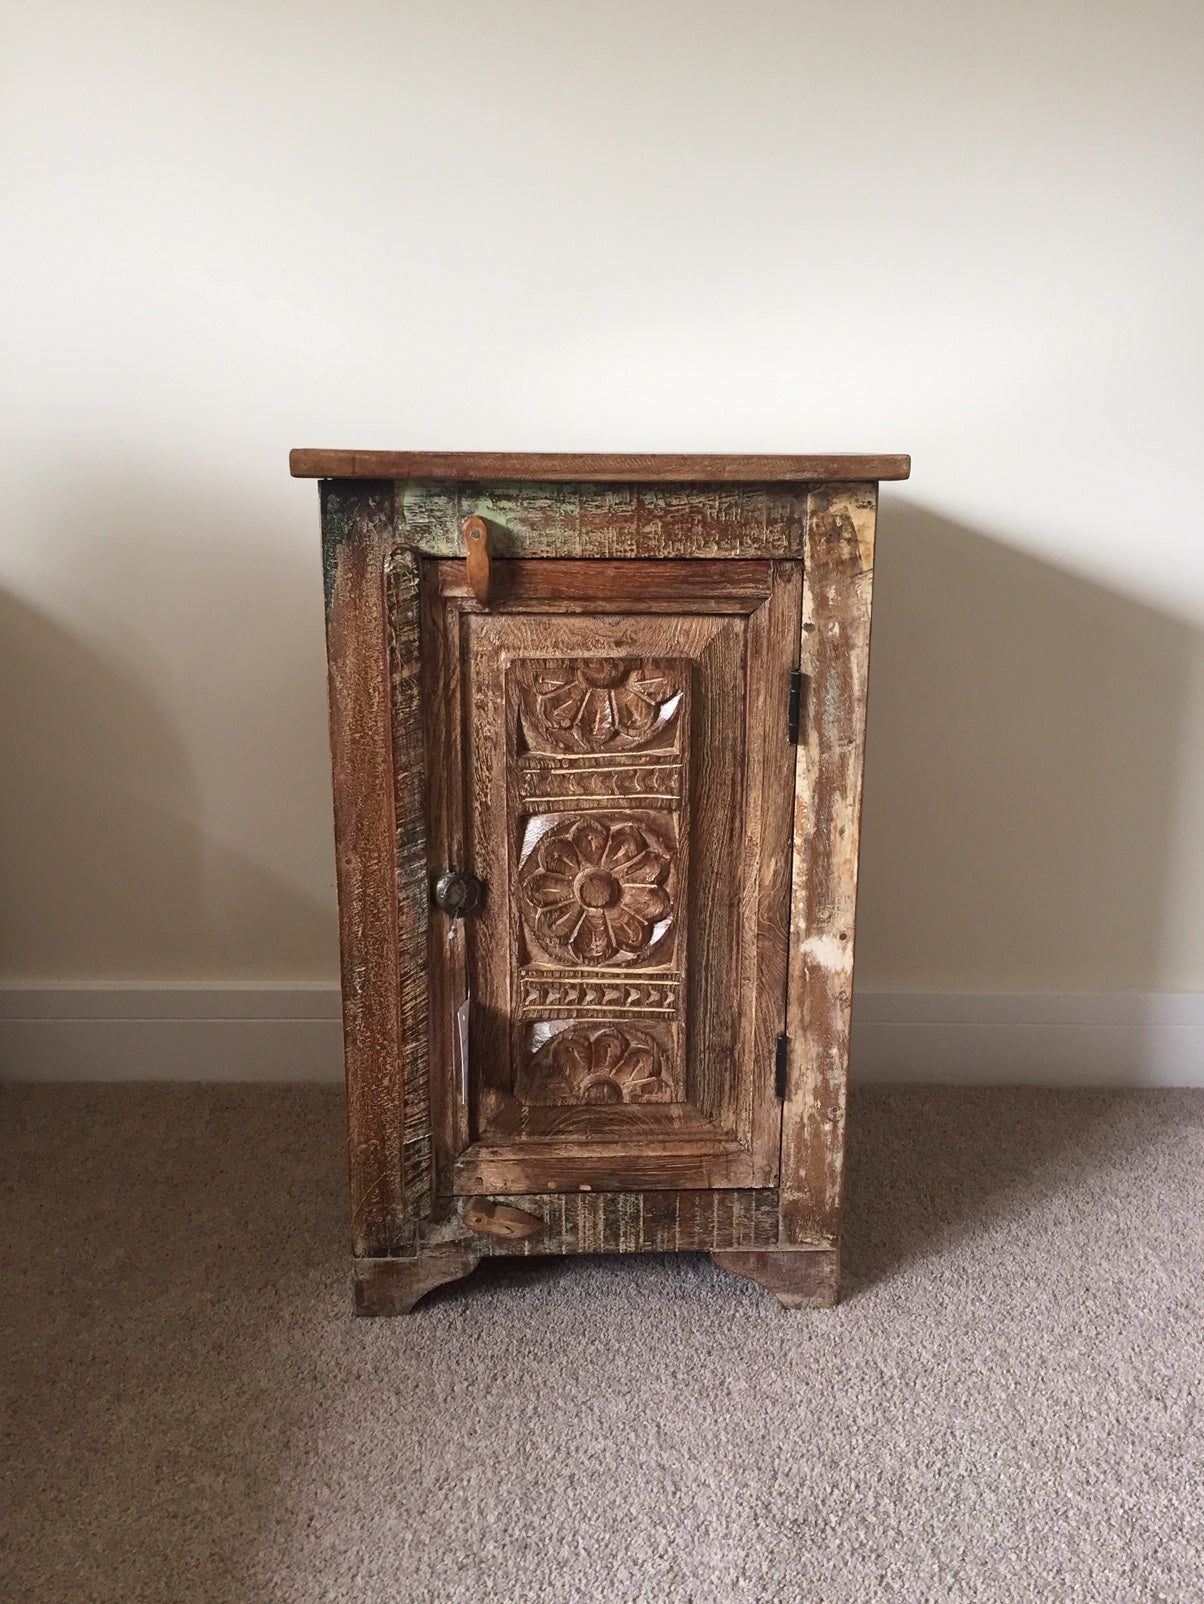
{"x": 607, "y": 755}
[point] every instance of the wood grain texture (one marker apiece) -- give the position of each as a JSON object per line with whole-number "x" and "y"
{"x": 597, "y": 521}
{"x": 834, "y": 656}
{"x": 603, "y": 746}
{"x": 641, "y": 1222}
{"x": 735, "y": 1226}
{"x": 799, "y": 1278}
{"x": 488, "y": 1217}
{"x": 446, "y": 804}
{"x": 413, "y": 878}
{"x": 477, "y": 564}
{"x": 621, "y": 1092}
{"x": 392, "y": 1286}
{"x": 773, "y": 644}
{"x": 635, "y": 585}
{"x": 653, "y": 1161}
{"x": 598, "y": 1062}
{"x": 316, "y": 463}
{"x": 356, "y": 531}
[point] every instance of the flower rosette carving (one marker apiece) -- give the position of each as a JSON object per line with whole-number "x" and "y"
{"x": 601, "y": 704}
{"x": 597, "y": 892}
{"x": 596, "y": 1066}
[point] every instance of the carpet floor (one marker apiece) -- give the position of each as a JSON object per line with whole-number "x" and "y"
{"x": 1005, "y": 1407}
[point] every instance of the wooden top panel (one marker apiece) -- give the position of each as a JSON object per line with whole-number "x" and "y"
{"x": 305, "y": 463}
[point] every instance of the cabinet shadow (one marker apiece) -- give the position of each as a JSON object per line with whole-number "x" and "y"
{"x": 109, "y": 865}
{"x": 931, "y": 1166}
{"x": 1023, "y": 831}
{"x": 1023, "y": 763}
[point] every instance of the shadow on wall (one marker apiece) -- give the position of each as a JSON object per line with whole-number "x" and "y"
{"x": 1021, "y": 773}
{"x": 106, "y": 866}
{"x": 1022, "y": 764}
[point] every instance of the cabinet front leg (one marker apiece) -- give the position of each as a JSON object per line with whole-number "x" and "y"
{"x": 394, "y": 1286}
{"x": 799, "y": 1278}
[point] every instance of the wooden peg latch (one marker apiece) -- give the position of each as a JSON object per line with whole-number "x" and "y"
{"x": 490, "y": 1218}
{"x": 476, "y": 543}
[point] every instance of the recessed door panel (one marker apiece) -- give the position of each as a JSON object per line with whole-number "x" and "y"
{"x": 618, "y": 779}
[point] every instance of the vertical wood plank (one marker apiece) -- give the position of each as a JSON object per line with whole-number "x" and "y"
{"x": 413, "y": 889}
{"x": 773, "y": 643}
{"x": 834, "y": 656}
{"x": 658, "y": 1222}
{"x": 357, "y": 522}
{"x": 447, "y": 978}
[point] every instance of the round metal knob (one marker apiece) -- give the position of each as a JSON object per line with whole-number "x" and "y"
{"x": 457, "y": 893}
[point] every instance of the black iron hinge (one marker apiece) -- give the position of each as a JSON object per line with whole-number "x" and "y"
{"x": 779, "y": 1067}
{"x": 794, "y": 713}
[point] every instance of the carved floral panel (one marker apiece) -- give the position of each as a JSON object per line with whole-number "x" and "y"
{"x": 599, "y": 704}
{"x": 600, "y": 753}
{"x": 599, "y": 889}
{"x": 596, "y": 1063}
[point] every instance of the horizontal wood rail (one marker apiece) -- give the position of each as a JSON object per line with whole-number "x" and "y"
{"x": 306, "y": 463}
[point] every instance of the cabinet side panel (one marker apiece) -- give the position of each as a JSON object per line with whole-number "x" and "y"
{"x": 834, "y": 657}
{"x": 357, "y": 520}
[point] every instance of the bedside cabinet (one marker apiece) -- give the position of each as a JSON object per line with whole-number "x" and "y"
{"x": 597, "y": 729}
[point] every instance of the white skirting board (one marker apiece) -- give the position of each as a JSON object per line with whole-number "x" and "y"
{"x": 171, "y": 1032}
{"x": 293, "y": 1033}
{"x": 1030, "y": 1039}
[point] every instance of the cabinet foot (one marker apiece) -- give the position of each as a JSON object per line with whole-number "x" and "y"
{"x": 799, "y": 1278}
{"x": 394, "y": 1286}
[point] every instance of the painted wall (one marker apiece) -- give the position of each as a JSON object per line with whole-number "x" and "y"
{"x": 970, "y": 232}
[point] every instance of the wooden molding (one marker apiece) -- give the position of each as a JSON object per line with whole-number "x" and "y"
{"x": 615, "y": 467}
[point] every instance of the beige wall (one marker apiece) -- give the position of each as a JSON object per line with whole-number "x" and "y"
{"x": 969, "y": 232}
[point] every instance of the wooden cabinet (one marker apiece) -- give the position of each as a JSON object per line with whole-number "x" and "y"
{"x": 597, "y": 727}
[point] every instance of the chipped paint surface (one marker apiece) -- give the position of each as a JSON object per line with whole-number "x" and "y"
{"x": 413, "y": 888}
{"x": 829, "y": 952}
{"x": 606, "y": 521}
{"x": 834, "y": 654}
{"x": 406, "y": 1234}
{"x": 357, "y": 524}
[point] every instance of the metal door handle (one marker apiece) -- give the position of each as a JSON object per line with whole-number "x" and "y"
{"x": 457, "y": 893}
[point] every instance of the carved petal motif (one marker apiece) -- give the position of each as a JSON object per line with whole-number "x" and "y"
{"x": 599, "y": 704}
{"x": 595, "y": 1064}
{"x": 594, "y": 891}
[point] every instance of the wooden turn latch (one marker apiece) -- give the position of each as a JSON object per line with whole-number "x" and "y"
{"x": 486, "y": 1215}
{"x": 476, "y": 544}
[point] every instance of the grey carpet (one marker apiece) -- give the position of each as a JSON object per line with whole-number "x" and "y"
{"x": 1006, "y": 1407}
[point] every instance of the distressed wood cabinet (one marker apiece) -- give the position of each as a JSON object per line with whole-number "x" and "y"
{"x": 597, "y": 728}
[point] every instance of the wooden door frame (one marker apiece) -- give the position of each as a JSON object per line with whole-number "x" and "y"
{"x": 672, "y": 1146}
{"x": 371, "y": 526}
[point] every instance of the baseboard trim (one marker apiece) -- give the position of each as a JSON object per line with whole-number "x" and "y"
{"x": 1033, "y": 1039}
{"x": 113, "y": 1032}
{"x": 251, "y": 1032}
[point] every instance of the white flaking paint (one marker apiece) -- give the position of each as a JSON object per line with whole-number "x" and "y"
{"x": 829, "y": 952}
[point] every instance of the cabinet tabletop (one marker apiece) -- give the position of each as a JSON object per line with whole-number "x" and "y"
{"x": 307, "y": 463}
